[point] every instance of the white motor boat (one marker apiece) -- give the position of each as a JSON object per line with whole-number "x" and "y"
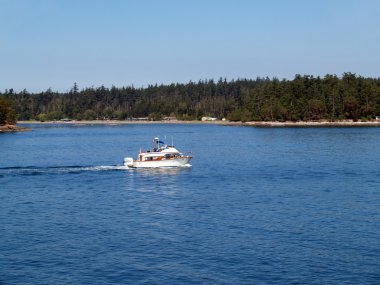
{"x": 161, "y": 155}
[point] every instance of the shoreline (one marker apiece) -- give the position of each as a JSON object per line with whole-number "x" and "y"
{"x": 315, "y": 124}
{"x": 263, "y": 124}
{"x": 12, "y": 129}
{"x": 117, "y": 122}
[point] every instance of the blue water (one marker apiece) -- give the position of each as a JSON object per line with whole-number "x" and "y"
{"x": 258, "y": 206}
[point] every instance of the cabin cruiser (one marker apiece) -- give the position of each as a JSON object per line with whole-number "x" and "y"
{"x": 161, "y": 155}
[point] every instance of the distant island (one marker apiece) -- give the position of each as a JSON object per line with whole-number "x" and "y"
{"x": 7, "y": 117}
{"x": 302, "y": 99}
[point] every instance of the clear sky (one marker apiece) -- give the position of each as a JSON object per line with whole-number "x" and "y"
{"x": 54, "y": 43}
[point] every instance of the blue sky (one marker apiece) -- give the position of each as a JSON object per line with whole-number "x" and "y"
{"x": 54, "y": 43}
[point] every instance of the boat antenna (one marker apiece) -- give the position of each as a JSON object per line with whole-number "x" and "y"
{"x": 172, "y": 142}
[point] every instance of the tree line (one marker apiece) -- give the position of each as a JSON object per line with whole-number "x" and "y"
{"x": 262, "y": 99}
{"x": 7, "y": 113}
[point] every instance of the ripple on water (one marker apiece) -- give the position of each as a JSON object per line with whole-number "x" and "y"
{"x": 265, "y": 206}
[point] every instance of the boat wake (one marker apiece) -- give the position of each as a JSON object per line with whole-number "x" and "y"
{"x": 73, "y": 169}
{"x": 35, "y": 170}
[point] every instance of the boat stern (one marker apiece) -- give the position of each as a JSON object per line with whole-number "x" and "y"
{"x": 128, "y": 161}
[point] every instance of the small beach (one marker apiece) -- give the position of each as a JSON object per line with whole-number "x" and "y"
{"x": 286, "y": 124}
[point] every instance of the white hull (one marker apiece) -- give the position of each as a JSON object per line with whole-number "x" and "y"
{"x": 160, "y": 156}
{"x": 177, "y": 162}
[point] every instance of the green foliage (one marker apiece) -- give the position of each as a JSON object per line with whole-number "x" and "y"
{"x": 303, "y": 98}
{"x": 51, "y": 116}
{"x": 7, "y": 113}
{"x": 89, "y": 115}
{"x": 155, "y": 116}
{"x": 186, "y": 117}
{"x": 234, "y": 115}
{"x": 120, "y": 115}
{"x": 316, "y": 109}
{"x": 41, "y": 117}
{"x": 55, "y": 115}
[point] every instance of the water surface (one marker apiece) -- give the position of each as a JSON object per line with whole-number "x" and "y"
{"x": 258, "y": 206}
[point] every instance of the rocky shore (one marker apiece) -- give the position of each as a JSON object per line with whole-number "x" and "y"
{"x": 12, "y": 129}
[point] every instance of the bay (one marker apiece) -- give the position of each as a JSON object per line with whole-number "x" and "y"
{"x": 258, "y": 206}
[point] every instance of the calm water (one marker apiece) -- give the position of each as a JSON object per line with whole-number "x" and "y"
{"x": 258, "y": 206}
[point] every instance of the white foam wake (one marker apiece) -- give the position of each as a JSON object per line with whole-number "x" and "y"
{"x": 35, "y": 170}
{"x": 105, "y": 168}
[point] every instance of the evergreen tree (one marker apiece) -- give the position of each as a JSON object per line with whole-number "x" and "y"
{"x": 303, "y": 98}
{"x": 7, "y": 113}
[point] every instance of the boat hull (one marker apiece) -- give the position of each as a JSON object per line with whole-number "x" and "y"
{"x": 177, "y": 162}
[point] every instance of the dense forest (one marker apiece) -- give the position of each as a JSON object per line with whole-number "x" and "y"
{"x": 261, "y": 99}
{"x": 7, "y": 113}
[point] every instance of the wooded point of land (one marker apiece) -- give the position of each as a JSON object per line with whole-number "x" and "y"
{"x": 262, "y": 99}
